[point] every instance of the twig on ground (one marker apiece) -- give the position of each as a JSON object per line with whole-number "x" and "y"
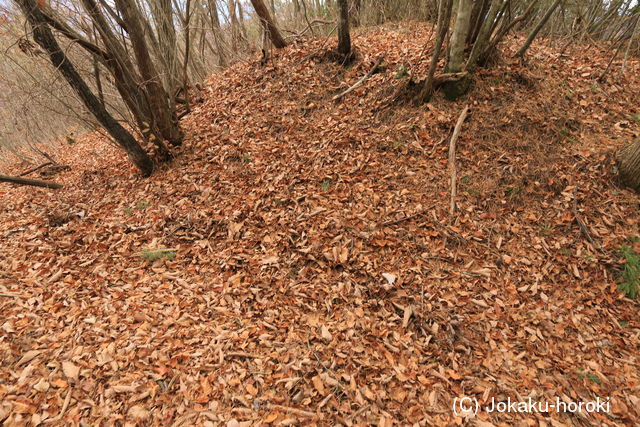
{"x": 452, "y": 159}
{"x": 27, "y": 172}
{"x": 403, "y": 219}
{"x": 240, "y": 354}
{"x": 583, "y": 227}
{"x": 362, "y": 80}
{"x": 295, "y": 411}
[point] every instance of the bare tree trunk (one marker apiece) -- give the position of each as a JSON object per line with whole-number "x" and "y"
{"x": 44, "y": 37}
{"x": 217, "y": 34}
{"x": 267, "y": 23}
{"x": 444, "y": 16}
{"x": 484, "y": 33}
{"x": 126, "y": 80}
{"x": 243, "y": 27}
{"x": 158, "y": 98}
{"x": 460, "y": 31}
{"x": 31, "y": 182}
{"x": 458, "y": 86}
{"x": 478, "y": 13}
{"x": 631, "y": 40}
{"x": 344, "y": 37}
{"x": 163, "y": 15}
{"x": 235, "y": 26}
{"x": 356, "y": 5}
{"x": 187, "y": 43}
{"x": 96, "y": 71}
{"x": 537, "y": 29}
{"x": 505, "y": 26}
{"x": 629, "y": 165}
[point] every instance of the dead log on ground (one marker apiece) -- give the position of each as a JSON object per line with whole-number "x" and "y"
{"x": 31, "y": 182}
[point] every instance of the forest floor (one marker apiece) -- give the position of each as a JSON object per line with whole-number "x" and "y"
{"x": 296, "y": 263}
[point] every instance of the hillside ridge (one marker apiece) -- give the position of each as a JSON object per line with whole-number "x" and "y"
{"x": 308, "y": 268}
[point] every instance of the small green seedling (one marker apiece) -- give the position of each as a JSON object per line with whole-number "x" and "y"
{"x": 397, "y": 145}
{"x": 630, "y": 277}
{"x": 155, "y": 254}
{"x": 402, "y": 72}
{"x": 593, "y": 378}
{"x": 326, "y": 185}
{"x": 588, "y": 375}
{"x": 142, "y": 205}
{"x": 564, "y": 133}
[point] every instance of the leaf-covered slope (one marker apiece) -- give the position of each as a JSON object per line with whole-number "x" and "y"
{"x": 317, "y": 275}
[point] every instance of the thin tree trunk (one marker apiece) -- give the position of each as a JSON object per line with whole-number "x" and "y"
{"x": 537, "y": 29}
{"x": 163, "y": 15}
{"x": 631, "y": 40}
{"x": 356, "y": 5}
{"x": 187, "y": 47}
{"x": 483, "y": 35}
{"x": 44, "y": 37}
{"x": 243, "y": 27}
{"x": 31, "y": 182}
{"x": 477, "y": 18}
{"x": 504, "y": 28}
{"x": 158, "y": 98}
{"x": 268, "y": 24}
{"x": 96, "y": 71}
{"x": 126, "y": 80}
{"x": 344, "y": 37}
{"x": 235, "y": 26}
{"x": 444, "y": 16}
{"x": 629, "y": 165}
{"x": 460, "y": 31}
{"x": 217, "y": 34}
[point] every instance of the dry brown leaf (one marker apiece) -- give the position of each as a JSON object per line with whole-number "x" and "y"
{"x": 71, "y": 370}
{"x": 318, "y": 384}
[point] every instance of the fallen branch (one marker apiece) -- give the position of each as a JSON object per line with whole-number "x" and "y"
{"x": 452, "y": 159}
{"x": 295, "y": 411}
{"x": 583, "y": 227}
{"x": 27, "y": 172}
{"x": 362, "y": 80}
{"x": 240, "y": 354}
{"x": 405, "y": 218}
{"x": 31, "y": 182}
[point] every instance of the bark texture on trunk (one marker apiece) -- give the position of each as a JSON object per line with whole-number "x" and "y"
{"x": 354, "y": 17}
{"x": 629, "y": 165}
{"x": 162, "y": 11}
{"x": 459, "y": 36}
{"x": 444, "y": 16}
{"x": 268, "y": 24}
{"x": 459, "y": 87}
{"x": 344, "y": 36}
{"x": 537, "y": 29}
{"x": 158, "y": 98}
{"x": 126, "y": 79}
{"x": 44, "y": 37}
{"x": 484, "y": 33}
